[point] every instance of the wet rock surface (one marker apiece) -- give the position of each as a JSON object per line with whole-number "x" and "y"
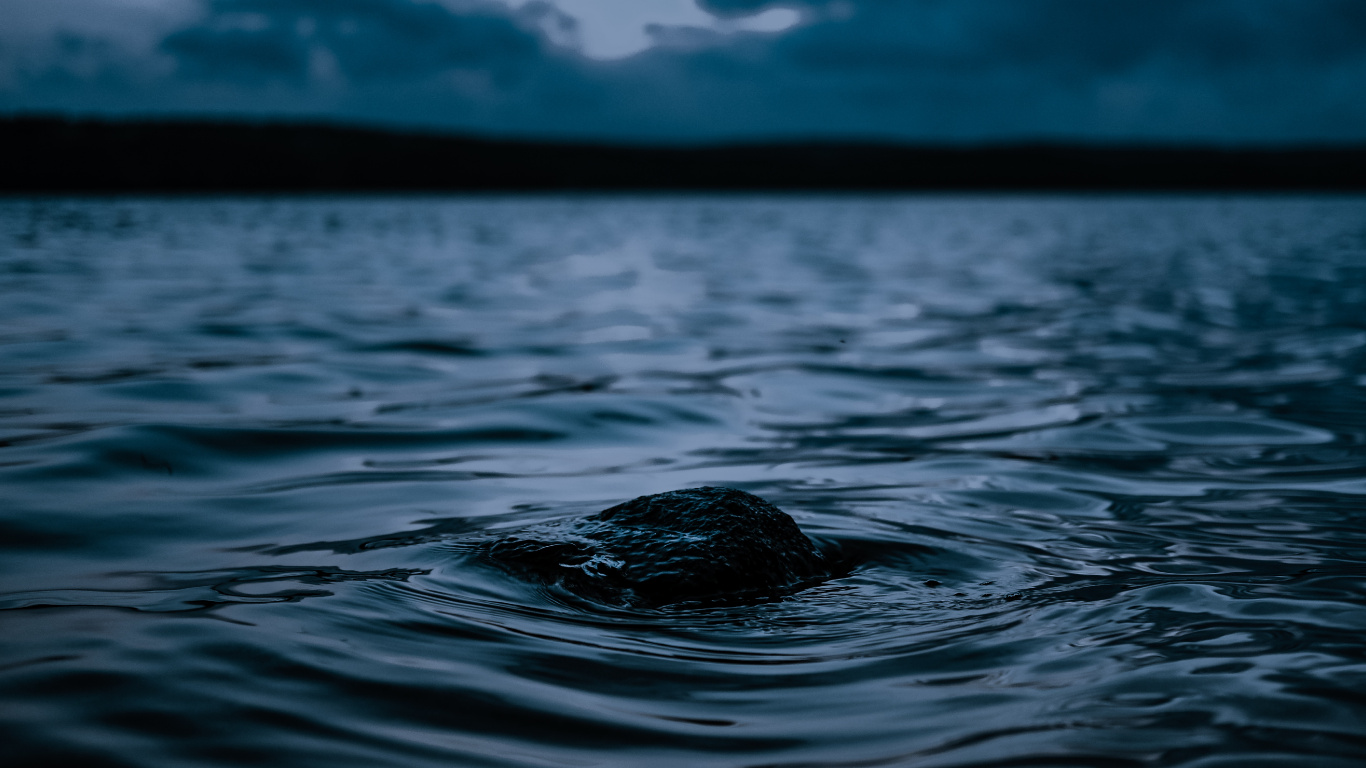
{"x": 704, "y": 545}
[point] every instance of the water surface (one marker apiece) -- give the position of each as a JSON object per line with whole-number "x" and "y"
{"x": 1100, "y": 461}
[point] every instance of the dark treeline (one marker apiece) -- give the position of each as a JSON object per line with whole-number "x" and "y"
{"x": 57, "y": 155}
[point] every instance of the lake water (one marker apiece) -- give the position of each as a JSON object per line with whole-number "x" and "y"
{"x": 1101, "y": 462}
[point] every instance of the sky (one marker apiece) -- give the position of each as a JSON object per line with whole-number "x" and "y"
{"x": 1225, "y": 72}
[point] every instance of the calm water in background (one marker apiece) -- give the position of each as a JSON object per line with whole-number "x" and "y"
{"x": 1103, "y": 462}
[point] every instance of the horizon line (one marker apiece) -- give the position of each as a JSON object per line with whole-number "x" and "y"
{"x": 850, "y": 141}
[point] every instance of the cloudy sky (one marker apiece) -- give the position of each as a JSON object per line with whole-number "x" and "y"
{"x": 1221, "y": 71}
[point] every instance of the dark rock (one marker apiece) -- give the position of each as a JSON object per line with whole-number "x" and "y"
{"x": 701, "y": 545}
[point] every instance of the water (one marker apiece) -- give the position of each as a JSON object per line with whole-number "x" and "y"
{"x": 1101, "y": 462}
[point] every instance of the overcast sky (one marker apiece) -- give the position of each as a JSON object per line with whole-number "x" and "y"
{"x": 1223, "y": 71}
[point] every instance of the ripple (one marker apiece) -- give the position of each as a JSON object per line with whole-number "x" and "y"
{"x": 172, "y": 592}
{"x": 1211, "y": 431}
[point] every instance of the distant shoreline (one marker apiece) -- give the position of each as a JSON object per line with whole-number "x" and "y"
{"x": 56, "y": 155}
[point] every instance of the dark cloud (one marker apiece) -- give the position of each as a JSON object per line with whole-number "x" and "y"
{"x": 1205, "y": 70}
{"x": 747, "y": 7}
{"x": 1250, "y": 70}
{"x": 367, "y": 39}
{"x": 246, "y": 55}
{"x": 1092, "y": 38}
